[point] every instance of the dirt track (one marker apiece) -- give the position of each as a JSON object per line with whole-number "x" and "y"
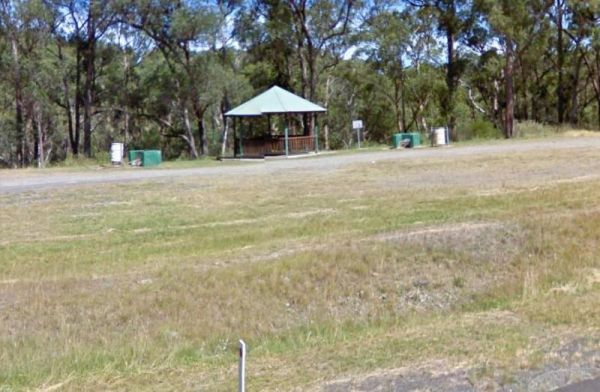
{"x": 12, "y": 181}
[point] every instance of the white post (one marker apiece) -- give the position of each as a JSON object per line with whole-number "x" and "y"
{"x": 242, "y": 375}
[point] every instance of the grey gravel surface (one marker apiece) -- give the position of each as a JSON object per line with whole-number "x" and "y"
{"x": 575, "y": 368}
{"x": 592, "y": 385}
{"x": 326, "y": 162}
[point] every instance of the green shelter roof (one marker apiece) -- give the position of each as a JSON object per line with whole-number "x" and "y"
{"x": 275, "y": 101}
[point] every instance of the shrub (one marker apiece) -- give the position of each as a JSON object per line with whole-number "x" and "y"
{"x": 529, "y": 129}
{"x": 479, "y": 129}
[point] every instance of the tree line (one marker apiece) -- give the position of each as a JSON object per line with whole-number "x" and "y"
{"x": 80, "y": 74}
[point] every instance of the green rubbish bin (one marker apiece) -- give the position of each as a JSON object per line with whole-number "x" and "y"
{"x": 396, "y": 139}
{"x": 151, "y": 157}
{"x": 135, "y": 154}
{"x": 414, "y": 139}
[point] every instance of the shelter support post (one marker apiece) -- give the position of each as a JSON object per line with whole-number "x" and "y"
{"x": 234, "y": 138}
{"x": 241, "y": 142}
{"x": 316, "y": 133}
{"x": 287, "y": 149}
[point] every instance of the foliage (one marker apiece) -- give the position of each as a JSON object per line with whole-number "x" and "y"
{"x": 78, "y": 75}
{"x": 481, "y": 129}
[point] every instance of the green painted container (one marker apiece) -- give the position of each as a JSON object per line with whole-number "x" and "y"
{"x": 413, "y": 137}
{"x": 132, "y": 155}
{"x": 396, "y": 139}
{"x": 151, "y": 157}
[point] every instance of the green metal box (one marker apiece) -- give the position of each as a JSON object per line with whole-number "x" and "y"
{"x": 413, "y": 137}
{"x": 145, "y": 157}
{"x": 132, "y": 155}
{"x": 396, "y": 139}
{"x": 151, "y": 157}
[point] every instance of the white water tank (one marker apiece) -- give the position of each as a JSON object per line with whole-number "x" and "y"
{"x": 116, "y": 153}
{"x": 440, "y": 136}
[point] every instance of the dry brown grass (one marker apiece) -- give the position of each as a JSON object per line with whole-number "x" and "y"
{"x": 383, "y": 265}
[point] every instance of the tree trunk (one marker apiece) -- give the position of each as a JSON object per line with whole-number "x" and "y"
{"x": 73, "y": 138}
{"x": 423, "y": 123}
{"x": 305, "y": 83}
{"x": 189, "y": 136}
{"x": 594, "y": 72}
{"x": 125, "y": 108}
{"x": 509, "y": 113}
{"x": 524, "y": 89}
{"x": 312, "y": 93}
{"x": 403, "y": 103}
{"x": 78, "y": 98}
{"x": 21, "y": 148}
{"x": 224, "y": 109}
{"x": 304, "y": 71}
{"x": 225, "y": 134}
{"x": 574, "y": 113}
{"x": 327, "y": 97}
{"x": 448, "y": 103}
{"x": 88, "y": 94}
{"x": 199, "y": 114}
{"x": 41, "y": 137}
{"x": 398, "y": 106}
{"x": 29, "y": 142}
{"x": 560, "y": 53}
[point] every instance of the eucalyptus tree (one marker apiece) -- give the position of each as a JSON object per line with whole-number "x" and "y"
{"x": 262, "y": 29}
{"x": 230, "y": 84}
{"x": 516, "y": 24}
{"x": 400, "y": 44}
{"x": 387, "y": 38}
{"x": 303, "y": 38}
{"x": 83, "y": 22}
{"x": 13, "y": 29}
{"x": 454, "y": 21}
{"x": 180, "y": 30}
{"x": 584, "y": 32}
{"x": 577, "y": 32}
{"x": 558, "y": 11}
{"x": 25, "y": 31}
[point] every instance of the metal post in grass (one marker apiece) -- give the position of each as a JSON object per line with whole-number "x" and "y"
{"x": 242, "y": 374}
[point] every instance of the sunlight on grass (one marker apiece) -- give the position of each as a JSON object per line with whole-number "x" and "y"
{"x": 377, "y": 265}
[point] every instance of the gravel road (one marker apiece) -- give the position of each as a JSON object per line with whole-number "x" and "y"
{"x": 12, "y": 182}
{"x": 584, "y": 386}
{"x": 574, "y": 367}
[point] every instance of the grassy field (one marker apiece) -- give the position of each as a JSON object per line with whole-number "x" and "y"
{"x": 486, "y": 262}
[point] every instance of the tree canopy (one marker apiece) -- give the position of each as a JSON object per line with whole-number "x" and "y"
{"x": 78, "y": 75}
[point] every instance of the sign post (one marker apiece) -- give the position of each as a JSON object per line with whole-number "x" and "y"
{"x": 357, "y": 124}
